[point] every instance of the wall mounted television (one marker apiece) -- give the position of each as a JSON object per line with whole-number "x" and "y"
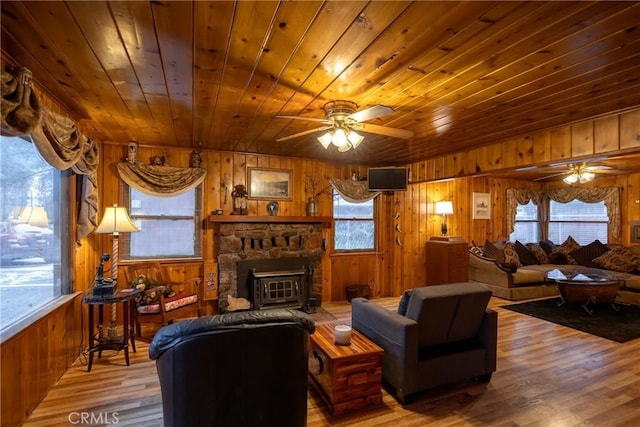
{"x": 387, "y": 179}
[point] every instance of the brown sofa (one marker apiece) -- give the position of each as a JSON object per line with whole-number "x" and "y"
{"x": 440, "y": 335}
{"x": 529, "y": 281}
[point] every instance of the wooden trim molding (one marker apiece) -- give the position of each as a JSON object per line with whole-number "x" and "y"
{"x": 324, "y": 220}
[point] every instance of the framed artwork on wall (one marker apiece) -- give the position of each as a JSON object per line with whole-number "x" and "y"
{"x": 269, "y": 184}
{"x": 635, "y": 231}
{"x": 481, "y": 206}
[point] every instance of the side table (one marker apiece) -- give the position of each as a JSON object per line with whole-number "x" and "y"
{"x": 98, "y": 338}
{"x": 348, "y": 377}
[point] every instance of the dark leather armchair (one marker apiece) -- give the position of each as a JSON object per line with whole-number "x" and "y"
{"x": 440, "y": 335}
{"x": 235, "y": 369}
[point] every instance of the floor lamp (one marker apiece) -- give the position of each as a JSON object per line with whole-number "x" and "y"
{"x": 115, "y": 221}
{"x": 444, "y": 208}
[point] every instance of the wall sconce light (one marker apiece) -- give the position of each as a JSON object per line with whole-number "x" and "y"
{"x": 444, "y": 208}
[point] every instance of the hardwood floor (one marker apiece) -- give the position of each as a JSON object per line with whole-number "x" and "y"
{"x": 548, "y": 375}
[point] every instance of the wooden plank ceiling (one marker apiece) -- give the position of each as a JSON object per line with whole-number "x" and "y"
{"x": 215, "y": 75}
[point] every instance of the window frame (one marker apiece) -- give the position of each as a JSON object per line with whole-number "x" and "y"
{"x": 550, "y": 221}
{"x": 62, "y": 280}
{"x": 544, "y": 220}
{"x": 125, "y": 242}
{"x": 373, "y": 220}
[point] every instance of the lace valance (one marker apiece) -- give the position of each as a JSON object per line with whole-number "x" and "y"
{"x": 353, "y": 191}
{"x": 162, "y": 181}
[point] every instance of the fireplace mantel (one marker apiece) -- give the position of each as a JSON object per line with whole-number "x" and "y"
{"x": 268, "y": 219}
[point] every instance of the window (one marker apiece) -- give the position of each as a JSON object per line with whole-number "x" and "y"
{"x": 527, "y": 225}
{"x": 354, "y": 225}
{"x": 585, "y": 222}
{"x": 33, "y": 216}
{"x": 170, "y": 227}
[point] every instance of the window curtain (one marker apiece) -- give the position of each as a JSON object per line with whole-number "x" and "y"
{"x": 353, "y": 191}
{"x": 162, "y": 181}
{"x": 610, "y": 196}
{"x": 55, "y": 137}
{"x": 515, "y": 197}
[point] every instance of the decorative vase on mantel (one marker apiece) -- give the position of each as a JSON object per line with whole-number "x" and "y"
{"x": 312, "y": 206}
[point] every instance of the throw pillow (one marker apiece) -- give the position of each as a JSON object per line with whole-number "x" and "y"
{"x": 567, "y": 247}
{"x": 151, "y": 290}
{"x": 404, "y": 302}
{"x": 586, "y": 254}
{"x": 525, "y": 256}
{"x": 619, "y": 259}
{"x": 492, "y": 251}
{"x": 539, "y": 253}
{"x": 547, "y": 245}
{"x": 510, "y": 255}
{"x": 558, "y": 257}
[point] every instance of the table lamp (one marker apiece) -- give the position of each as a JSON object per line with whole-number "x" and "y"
{"x": 444, "y": 208}
{"x": 115, "y": 221}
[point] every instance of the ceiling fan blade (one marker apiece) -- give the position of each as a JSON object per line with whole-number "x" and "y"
{"x": 383, "y": 130}
{"x": 309, "y": 119}
{"x": 551, "y": 176}
{"x": 371, "y": 113}
{"x": 597, "y": 168}
{"x": 306, "y": 132}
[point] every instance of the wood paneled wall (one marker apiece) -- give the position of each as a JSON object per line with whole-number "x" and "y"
{"x": 603, "y": 136}
{"x": 35, "y": 358}
{"x": 406, "y": 222}
{"x": 224, "y": 170}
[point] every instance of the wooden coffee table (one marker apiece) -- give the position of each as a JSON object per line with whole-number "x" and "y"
{"x": 585, "y": 288}
{"x": 348, "y": 377}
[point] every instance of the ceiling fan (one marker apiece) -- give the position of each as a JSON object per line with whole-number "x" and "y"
{"x": 577, "y": 173}
{"x": 342, "y": 120}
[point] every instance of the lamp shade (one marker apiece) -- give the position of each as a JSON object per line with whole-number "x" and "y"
{"x": 116, "y": 220}
{"x": 325, "y": 140}
{"x": 444, "y": 208}
{"x": 34, "y": 215}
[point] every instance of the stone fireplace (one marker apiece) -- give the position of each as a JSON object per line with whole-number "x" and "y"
{"x": 282, "y": 249}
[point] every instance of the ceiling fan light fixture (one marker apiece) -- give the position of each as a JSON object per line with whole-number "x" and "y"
{"x": 355, "y": 139}
{"x": 325, "y": 140}
{"x": 571, "y": 179}
{"x": 586, "y": 177}
{"x": 340, "y": 138}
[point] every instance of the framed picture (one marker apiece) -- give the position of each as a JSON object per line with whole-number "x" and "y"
{"x": 269, "y": 184}
{"x": 481, "y": 206}
{"x": 635, "y": 231}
